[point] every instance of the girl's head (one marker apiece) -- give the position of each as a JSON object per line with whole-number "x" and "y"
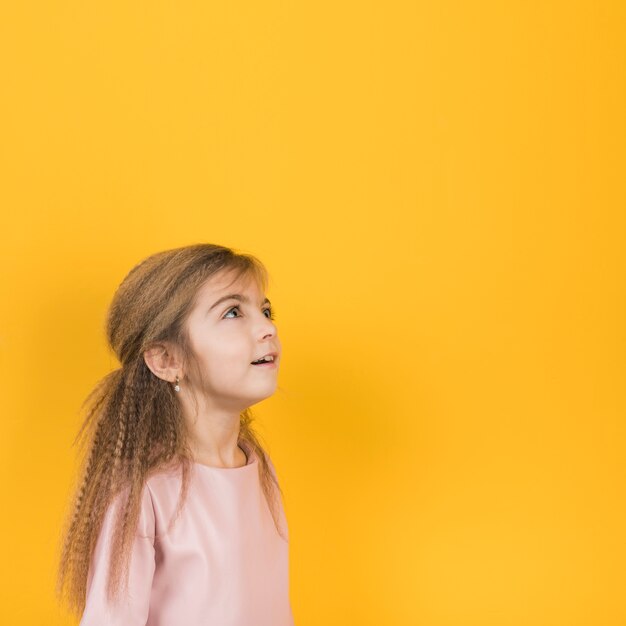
{"x": 168, "y": 319}
{"x": 198, "y": 314}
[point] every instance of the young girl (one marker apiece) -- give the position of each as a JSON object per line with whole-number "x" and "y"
{"x": 178, "y": 518}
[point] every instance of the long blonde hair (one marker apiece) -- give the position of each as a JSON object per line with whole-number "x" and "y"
{"x": 133, "y": 423}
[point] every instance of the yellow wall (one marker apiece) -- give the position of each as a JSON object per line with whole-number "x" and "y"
{"x": 437, "y": 189}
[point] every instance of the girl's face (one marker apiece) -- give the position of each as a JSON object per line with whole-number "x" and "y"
{"x": 227, "y": 333}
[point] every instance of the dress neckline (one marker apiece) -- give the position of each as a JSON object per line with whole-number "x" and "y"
{"x": 247, "y": 450}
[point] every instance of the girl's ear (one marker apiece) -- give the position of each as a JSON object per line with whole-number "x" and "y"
{"x": 163, "y": 362}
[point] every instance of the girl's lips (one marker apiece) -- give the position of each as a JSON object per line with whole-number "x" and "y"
{"x": 269, "y": 364}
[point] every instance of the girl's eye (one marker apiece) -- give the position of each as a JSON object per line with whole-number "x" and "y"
{"x": 271, "y": 314}
{"x": 229, "y": 310}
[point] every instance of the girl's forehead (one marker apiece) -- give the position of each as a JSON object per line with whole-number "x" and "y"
{"x": 219, "y": 286}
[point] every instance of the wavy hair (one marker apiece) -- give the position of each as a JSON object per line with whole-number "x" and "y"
{"x": 133, "y": 424}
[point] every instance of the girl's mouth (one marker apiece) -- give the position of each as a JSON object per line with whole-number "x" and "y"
{"x": 268, "y": 360}
{"x": 267, "y": 364}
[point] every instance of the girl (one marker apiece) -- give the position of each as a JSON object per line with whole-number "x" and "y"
{"x": 178, "y": 517}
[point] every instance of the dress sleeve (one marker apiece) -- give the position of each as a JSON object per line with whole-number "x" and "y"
{"x": 281, "y": 505}
{"x": 131, "y": 609}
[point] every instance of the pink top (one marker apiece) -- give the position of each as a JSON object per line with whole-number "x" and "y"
{"x": 222, "y": 564}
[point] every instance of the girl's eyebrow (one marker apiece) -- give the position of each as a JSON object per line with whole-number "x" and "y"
{"x": 235, "y": 296}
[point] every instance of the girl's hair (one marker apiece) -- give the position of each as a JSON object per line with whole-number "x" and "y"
{"x": 133, "y": 422}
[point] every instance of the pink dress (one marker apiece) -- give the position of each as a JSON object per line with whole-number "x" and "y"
{"x": 222, "y": 564}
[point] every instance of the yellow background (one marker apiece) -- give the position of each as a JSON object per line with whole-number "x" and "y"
{"x": 437, "y": 189}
